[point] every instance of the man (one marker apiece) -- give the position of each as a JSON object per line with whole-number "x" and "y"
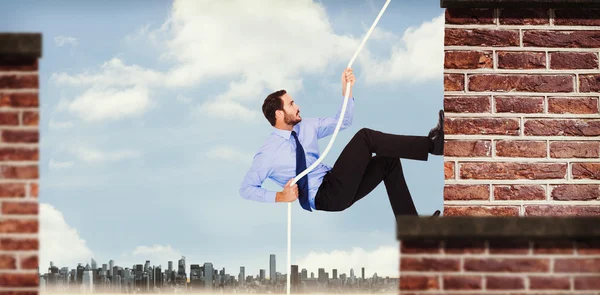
{"x": 293, "y": 146}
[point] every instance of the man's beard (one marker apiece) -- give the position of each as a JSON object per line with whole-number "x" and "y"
{"x": 291, "y": 120}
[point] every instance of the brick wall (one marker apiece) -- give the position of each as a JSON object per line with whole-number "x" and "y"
{"x": 521, "y": 266}
{"x": 521, "y": 96}
{"x": 19, "y": 157}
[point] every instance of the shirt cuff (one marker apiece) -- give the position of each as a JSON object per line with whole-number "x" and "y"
{"x": 270, "y": 196}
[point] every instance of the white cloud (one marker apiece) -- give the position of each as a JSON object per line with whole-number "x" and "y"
{"x": 59, "y": 242}
{"x": 54, "y": 164}
{"x": 383, "y": 261}
{"x": 157, "y": 254}
{"x": 228, "y": 153}
{"x": 110, "y": 104}
{"x": 64, "y": 40}
{"x": 419, "y": 56}
{"x": 228, "y": 110}
{"x": 60, "y": 125}
{"x": 92, "y": 155}
{"x": 259, "y": 47}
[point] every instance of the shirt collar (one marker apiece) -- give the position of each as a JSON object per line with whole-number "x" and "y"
{"x": 287, "y": 134}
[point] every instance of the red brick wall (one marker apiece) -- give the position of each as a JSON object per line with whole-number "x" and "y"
{"x": 521, "y": 96}
{"x": 19, "y": 157}
{"x": 500, "y": 267}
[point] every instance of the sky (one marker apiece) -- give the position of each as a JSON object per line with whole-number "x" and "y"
{"x": 151, "y": 114}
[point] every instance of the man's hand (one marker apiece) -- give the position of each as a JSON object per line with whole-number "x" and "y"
{"x": 347, "y": 76}
{"x": 289, "y": 193}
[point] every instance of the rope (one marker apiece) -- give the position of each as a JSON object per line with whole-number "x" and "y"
{"x": 337, "y": 128}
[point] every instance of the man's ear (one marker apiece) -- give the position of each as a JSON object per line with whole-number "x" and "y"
{"x": 279, "y": 114}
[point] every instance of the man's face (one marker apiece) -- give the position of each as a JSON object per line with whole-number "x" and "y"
{"x": 291, "y": 110}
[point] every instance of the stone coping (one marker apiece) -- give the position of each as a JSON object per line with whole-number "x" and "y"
{"x": 21, "y": 45}
{"x": 520, "y": 4}
{"x": 452, "y": 227}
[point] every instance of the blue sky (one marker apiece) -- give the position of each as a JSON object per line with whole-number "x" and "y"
{"x": 150, "y": 115}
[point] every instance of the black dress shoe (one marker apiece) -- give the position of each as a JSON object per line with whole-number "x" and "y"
{"x": 436, "y": 135}
{"x": 436, "y": 213}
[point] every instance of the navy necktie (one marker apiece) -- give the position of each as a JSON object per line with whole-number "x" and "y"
{"x": 303, "y": 182}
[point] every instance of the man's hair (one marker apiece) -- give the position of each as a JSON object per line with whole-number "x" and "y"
{"x": 273, "y": 103}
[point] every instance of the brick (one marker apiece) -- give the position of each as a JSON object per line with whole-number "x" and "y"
{"x": 19, "y": 154}
{"x": 429, "y": 264}
{"x": 573, "y": 60}
{"x": 420, "y": 246}
{"x": 571, "y": 265}
{"x": 31, "y": 118}
{"x": 576, "y": 17}
{"x": 513, "y": 265}
{"x": 19, "y": 293}
{"x": 554, "y": 247}
{"x": 19, "y": 172}
{"x": 23, "y": 64}
{"x": 467, "y": 148}
{"x": 468, "y": 60}
{"x": 9, "y": 118}
{"x": 11, "y": 208}
{"x": 8, "y": 261}
{"x": 481, "y": 37}
{"x": 504, "y": 283}
{"x": 482, "y": 126}
{"x": 18, "y": 81}
{"x": 521, "y": 16}
{"x": 448, "y": 170}
{"x": 587, "y": 283}
{"x": 454, "y": 82}
{"x": 29, "y": 262}
{"x": 575, "y": 192}
{"x": 481, "y": 211}
{"x": 467, "y": 104}
{"x": 418, "y": 282}
{"x": 549, "y": 283}
{"x": 573, "y": 105}
{"x": 33, "y": 190}
{"x": 19, "y": 280}
{"x": 512, "y": 170}
{"x": 566, "y": 127}
{"x": 521, "y": 82}
{"x": 561, "y": 210}
{"x": 20, "y": 136}
{"x": 575, "y": 149}
{"x": 519, "y": 104}
{"x": 589, "y": 83}
{"x": 506, "y": 246}
{"x": 462, "y": 282}
{"x": 587, "y": 246}
{"x": 469, "y": 16}
{"x": 519, "y": 192}
{"x": 19, "y": 100}
{"x": 521, "y": 148}
{"x": 12, "y": 190}
{"x": 521, "y": 60}
{"x": 464, "y": 246}
{"x": 586, "y": 170}
{"x": 561, "y": 39}
{"x": 14, "y": 244}
{"x": 18, "y": 226}
{"x": 453, "y": 192}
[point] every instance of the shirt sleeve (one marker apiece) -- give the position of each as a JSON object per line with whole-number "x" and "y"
{"x": 326, "y": 126}
{"x": 251, "y": 187}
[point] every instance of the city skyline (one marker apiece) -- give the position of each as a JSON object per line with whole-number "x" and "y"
{"x": 150, "y": 277}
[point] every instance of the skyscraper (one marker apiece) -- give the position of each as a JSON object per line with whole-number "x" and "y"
{"x": 335, "y": 274}
{"x": 111, "y": 264}
{"x": 272, "y": 271}
{"x": 208, "y": 275}
{"x": 242, "y": 277}
{"x": 295, "y": 276}
{"x": 88, "y": 280}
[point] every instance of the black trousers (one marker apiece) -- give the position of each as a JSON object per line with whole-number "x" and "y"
{"x": 357, "y": 172}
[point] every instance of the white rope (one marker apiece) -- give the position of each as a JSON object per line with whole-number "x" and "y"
{"x": 337, "y": 128}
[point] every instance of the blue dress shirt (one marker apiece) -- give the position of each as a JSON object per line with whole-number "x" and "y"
{"x": 276, "y": 158}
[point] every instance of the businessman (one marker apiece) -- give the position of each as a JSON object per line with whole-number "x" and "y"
{"x": 293, "y": 146}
